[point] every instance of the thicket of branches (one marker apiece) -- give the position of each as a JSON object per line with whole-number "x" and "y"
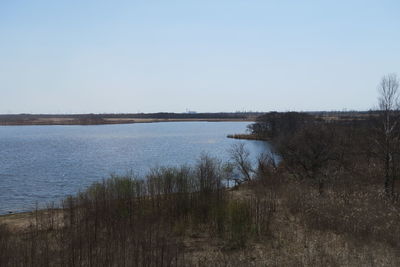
{"x": 325, "y": 149}
{"x": 125, "y": 221}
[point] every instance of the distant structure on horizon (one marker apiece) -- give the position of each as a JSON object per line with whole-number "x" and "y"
{"x": 190, "y": 111}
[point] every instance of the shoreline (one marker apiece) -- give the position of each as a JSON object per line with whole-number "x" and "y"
{"x": 20, "y": 221}
{"x": 106, "y": 121}
{"x": 246, "y": 137}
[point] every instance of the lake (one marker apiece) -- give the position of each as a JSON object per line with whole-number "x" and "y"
{"x": 41, "y": 164}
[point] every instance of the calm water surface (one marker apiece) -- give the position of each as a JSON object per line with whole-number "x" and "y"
{"x": 41, "y": 164}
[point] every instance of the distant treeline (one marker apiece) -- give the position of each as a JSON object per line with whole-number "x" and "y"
{"x": 110, "y": 118}
{"x": 272, "y": 125}
{"x": 159, "y": 115}
{"x": 15, "y": 119}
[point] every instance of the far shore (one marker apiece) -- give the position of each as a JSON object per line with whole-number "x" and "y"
{"x": 72, "y": 121}
{"x": 99, "y": 119}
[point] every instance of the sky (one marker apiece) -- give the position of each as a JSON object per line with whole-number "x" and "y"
{"x": 94, "y": 56}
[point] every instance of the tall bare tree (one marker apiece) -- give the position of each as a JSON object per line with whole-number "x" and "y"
{"x": 388, "y": 138}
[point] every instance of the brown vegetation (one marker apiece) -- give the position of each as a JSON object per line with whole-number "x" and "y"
{"x": 186, "y": 216}
{"x": 125, "y": 221}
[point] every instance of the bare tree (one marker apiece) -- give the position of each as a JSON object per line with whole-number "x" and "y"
{"x": 312, "y": 153}
{"x": 388, "y": 137}
{"x": 266, "y": 163}
{"x": 240, "y": 157}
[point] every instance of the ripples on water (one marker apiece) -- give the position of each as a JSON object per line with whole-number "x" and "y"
{"x": 40, "y": 164}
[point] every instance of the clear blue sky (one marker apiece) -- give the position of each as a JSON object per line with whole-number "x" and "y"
{"x": 148, "y": 56}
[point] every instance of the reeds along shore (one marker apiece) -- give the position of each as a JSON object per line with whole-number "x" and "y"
{"x": 187, "y": 217}
{"x": 124, "y": 221}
